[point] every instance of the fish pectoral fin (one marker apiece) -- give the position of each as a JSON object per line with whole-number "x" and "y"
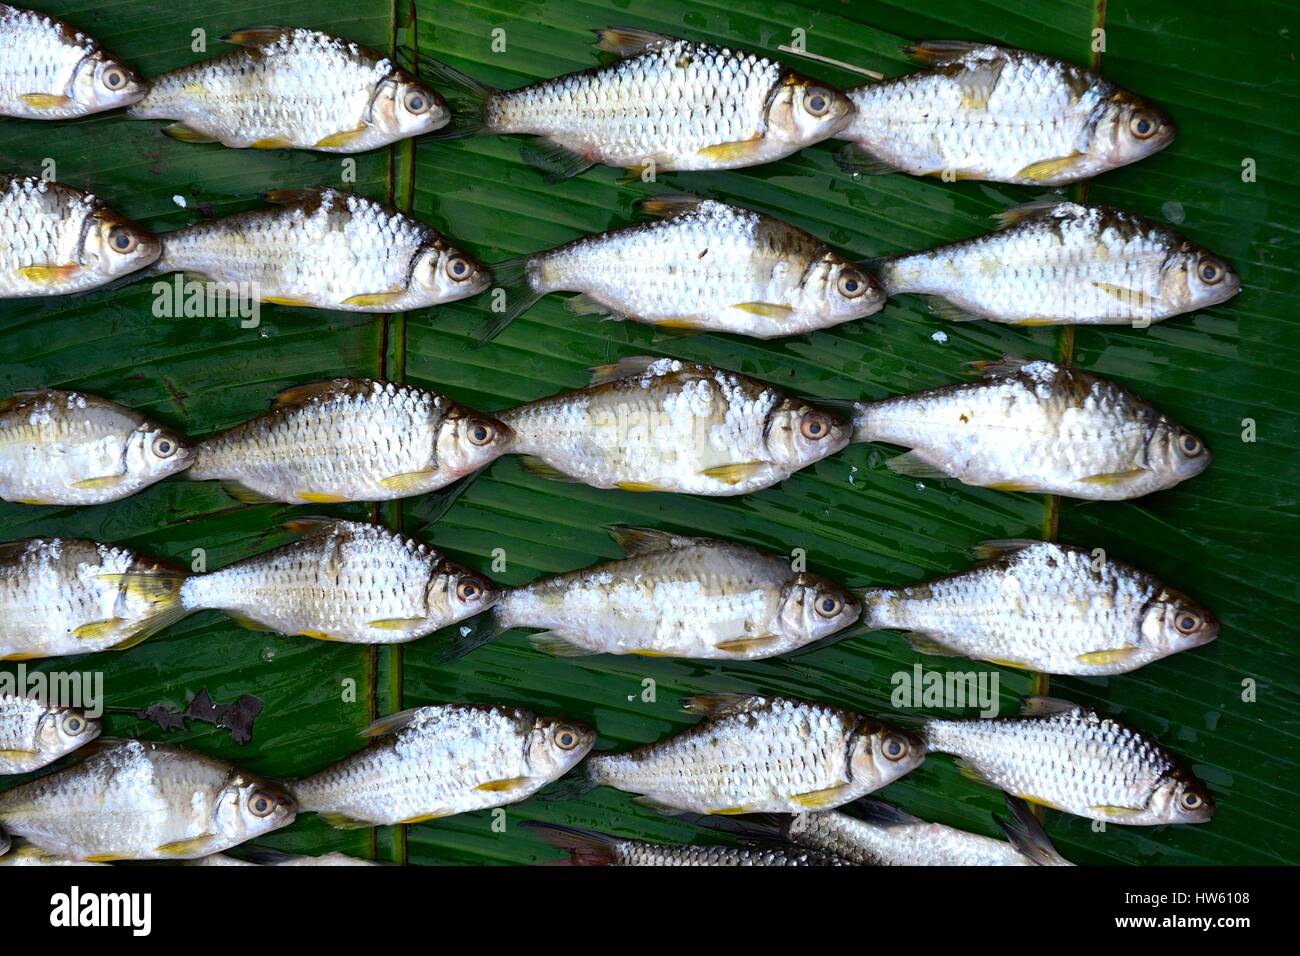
{"x": 98, "y": 630}
{"x": 187, "y": 134}
{"x": 583, "y": 304}
{"x": 973, "y": 773}
{"x": 499, "y": 786}
{"x": 395, "y": 623}
{"x": 45, "y": 101}
{"x": 49, "y": 275}
{"x": 1117, "y": 813}
{"x": 341, "y": 821}
{"x": 771, "y": 310}
{"x": 739, "y": 151}
{"x": 410, "y": 482}
{"x": 820, "y": 799}
{"x": 1114, "y": 477}
{"x": 103, "y": 481}
{"x": 1049, "y": 169}
{"x": 320, "y": 497}
{"x": 557, "y": 645}
{"x": 735, "y": 473}
{"x": 295, "y": 301}
{"x": 180, "y": 849}
{"x": 271, "y": 142}
{"x": 345, "y": 138}
{"x": 246, "y": 622}
{"x": 858, "y": 161}
{"x": 949, "y": 311}
{"x": 542, "y": 469}
{"x": 746, "y": 644}
{"x": 1109, "y": 656}
{"x": 555, "y": 162}
{"x": 244, "y": 494}
{"x": 657, "y": 805}
{"x": 913, "y": 465}
{"x": 925, "y": 644}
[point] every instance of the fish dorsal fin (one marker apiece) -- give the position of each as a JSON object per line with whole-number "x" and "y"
{"x": 668, "y": 205}
{"x": 633, "y": 366}
{"x": 1000, "y": 547}
{"x": 628, "y": 41}
{"x": 1008, "y": 366}
{"x": 636, "y": 541}
{"x": 256, "y": 36}
{"x": 297, "y": 395}
{"x": 26, "y": 396}
{"x": 1031, "y": 210}
{"x": 285, "y": 197}
{"x": 393, "y": 723}
{"x": 1046, "y": 706}
{"x": 940, "y": 52}
{"x": 722, "y": 705}
{"x": 309, "y": 524}
{"x": 883, "y": 814}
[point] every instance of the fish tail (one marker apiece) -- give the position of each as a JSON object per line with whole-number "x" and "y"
{"x": 1028, "y": 836}
{"x": 161, "y": 589}
{"x": 585, "y": 847}
{"x": 512, "y": 278}
{"x": 468, "y": 98}
{"x": 470, "y": 635}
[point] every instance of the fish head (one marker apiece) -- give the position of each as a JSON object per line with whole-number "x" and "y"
{"x": 881, "y": 753}
{"x": 154, "y": 452}
{"x": 1193, "y": 278}
{"x": 445, "y": 274}
{"x": 113, "y": 246}
{"x": 1174, "y": 622}
{"x": 247, "y": 807}
{"x": 62, "y": 730}
{"x": 467, "y": 594}
{"x": 1127, "y": 130}
{"x": 402, "y": 106}
{"x": 468, "y": 440}
{"x": 796, "y": 434}
{"x": 103, "y": 83}
{"x": 1179, "y": 797}
{"x": 554, "y": 746}
{"x": 801, "y": 112}
{"x": 812, "y": 608}
{"x": 1174, "y": 453}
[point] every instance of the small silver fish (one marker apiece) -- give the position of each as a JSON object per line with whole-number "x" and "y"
{"x": 326, "y": 249}
{"x": 588, "y": 848}
{"x": 1039, "y": 427}
{"x": 757, "y": 755}
{"x": 265, "y": 856}
{"x": 70, "y": 448}
{"x": 1072, "y": 759}
{"x": 675, "y": 596}
{"x": 290, "y": 88}
{"x": 704, "y": 266}
{"x": 351, "y": 440}
{"x": 50, "y": 70}
{"x": 1001, "y": 115}
{"x": 433, "y": 762}
{"x": 1045, "y": 607}
{"x": 34, "y": 734}
{"x": 342, "y": 581}
{"x": 1057, "y": 263}
{"x": 57, "y": 240}
{"x": 135, "y": 800}
{"x": 667, "y": 104}
{"x": 665, "y": 425}
{"x": 60, "y": 596}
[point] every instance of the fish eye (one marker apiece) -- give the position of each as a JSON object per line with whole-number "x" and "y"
{"x": 817, "y": 101}
{"x": 261, "y": 804}
{"x": 894, "y": 747}
{"x": 122, "y": 240}
{"x": 469, "y": 590}
{"x": 815, "y": 427}
{"x": 480, "y": 433}
{"x": 1187, "y": 622}
{"x": 1142, "y": 126}
{"x": 417, "y": 102}
{"x": 458, "y": 268}
{"x": 164, "y": 447}
{"x": 1190, "y": 445}
{"x": 851, "y": 284}
{"x": 1191, "y": 800}
{"x": 73, "y": 725}
{"x": 566, "y": 738}
{"x": 828, "y": 605}
{"x": 114, "y": 78}
{"x": 1211, "y": 272}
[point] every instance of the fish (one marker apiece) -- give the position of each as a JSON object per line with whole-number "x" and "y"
{"x": 883, "y": 835}
{"x": 326, "y": 249}
{"x": 59, "y": 240}
{"x": 437, "y": 761}
{"x": 70, "y": 448}
{"x": 341, "y": 581}
{"x": 51, "y": 70}
{"x": 27, "y": 854}
{"x": 1069, "y": 758}
{"x": 34, "y": 734}
{"x": 1001, "y": 115}
{"x": 1038, "y": 427}
{"x": 265, "y": 856}
{"x": 676, "y": 596}
{"x": 62, "y": 596}
{"x": 666, "y": 104}
{"x": 291, "y": 88}
{"x": 754, "y": 754}
{"x": 1045, "y": 607}
{"x": 665, "y": 425}
{"x": 351, "y": 440}
{"x": 703, "y": 266}
{"x": 139, "y": 800}
{"x": 1062, "y": 263}
{"x": 589, "y": 848}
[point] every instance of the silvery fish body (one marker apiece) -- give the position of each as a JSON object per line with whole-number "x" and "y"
{"x": 344, "y": 581}
{"x": 60, "y": 596}
{"x": 135, "y": 800}
{"x": 69, "y": 448}
{"x": 1003, "y": 115}
{"x": 27, "y": 854}
{"x": 1045, "y": 607}
{"x": 680, "y": 597}
{"x": 326, "y": 249}
{"x": 264, "y": 857}
{"x": 55, "y": 240}
{"x": 1074, "y": 760}
{"x": 49, "y": 70}
{"x": 351, "y": 440}
{"x": 588, "y": 848}
{"x": 755, "y": 755}
{"x": 667, "y": 425}
{"x": 706, "y": 266}
{"x": 438, "y": 761}
{"x": 1065, "y": 264}
{"x": 668, "y": 104}
{"x": 1039, "y": 427}
{"x": 34, "y": 734}
{"x": 293, "y": 88}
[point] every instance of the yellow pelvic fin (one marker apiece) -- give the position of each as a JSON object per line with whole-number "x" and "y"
{"x": 771, "y": 310}
{"x": 1021, "y": 665}
{"x": 1039, "y": 801}
{"x": 269, "y": 143}
{"x": 243, "y": 620}
{"x": 395, "y": 623}
{"x": 1010, "y": 486}
{"x": 372, "y": 300}
{"x": 730, "y": 811}
{"x": 818, "y": 799}
{"x": 1114, "y": 477}
{"x": 1035, "y": 323}
{"x": 1050, "y": 168}
{"x": 45, "y": 101}
{"x": 684, "y": 323}
{"x": 24, "y": 656}
{"x": 1115, "y": 812}
{"x": 187, "y": 134}
{"x": 346, "y": 138}
{"x": 320, "y": 636}
{"x": 244, "y": 494}
{"x": 320, "y": 497}
{"x": 16, "y": 754}
{"x": 185, "y": 848}
{"x": 496, "y": 786}
{"x": 103, "y": 858}
{"x": 733, "y": 152}
{"x": 98, "y": 630}
{"x": 1111, "y": 656}
{"x": 297, "y": 301}
{"x": 340, "y": 822}
{"x": 49, "y": 275}
{"x": 746, "y": 644}
{"x": 104, "y": 481}
{"x": 637, "y": 486}
{"x": 733, "y": 474}
{"x": 427, "y": 816}
{"x": 33, "y": 501}
{"x": 411, "y": 482}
